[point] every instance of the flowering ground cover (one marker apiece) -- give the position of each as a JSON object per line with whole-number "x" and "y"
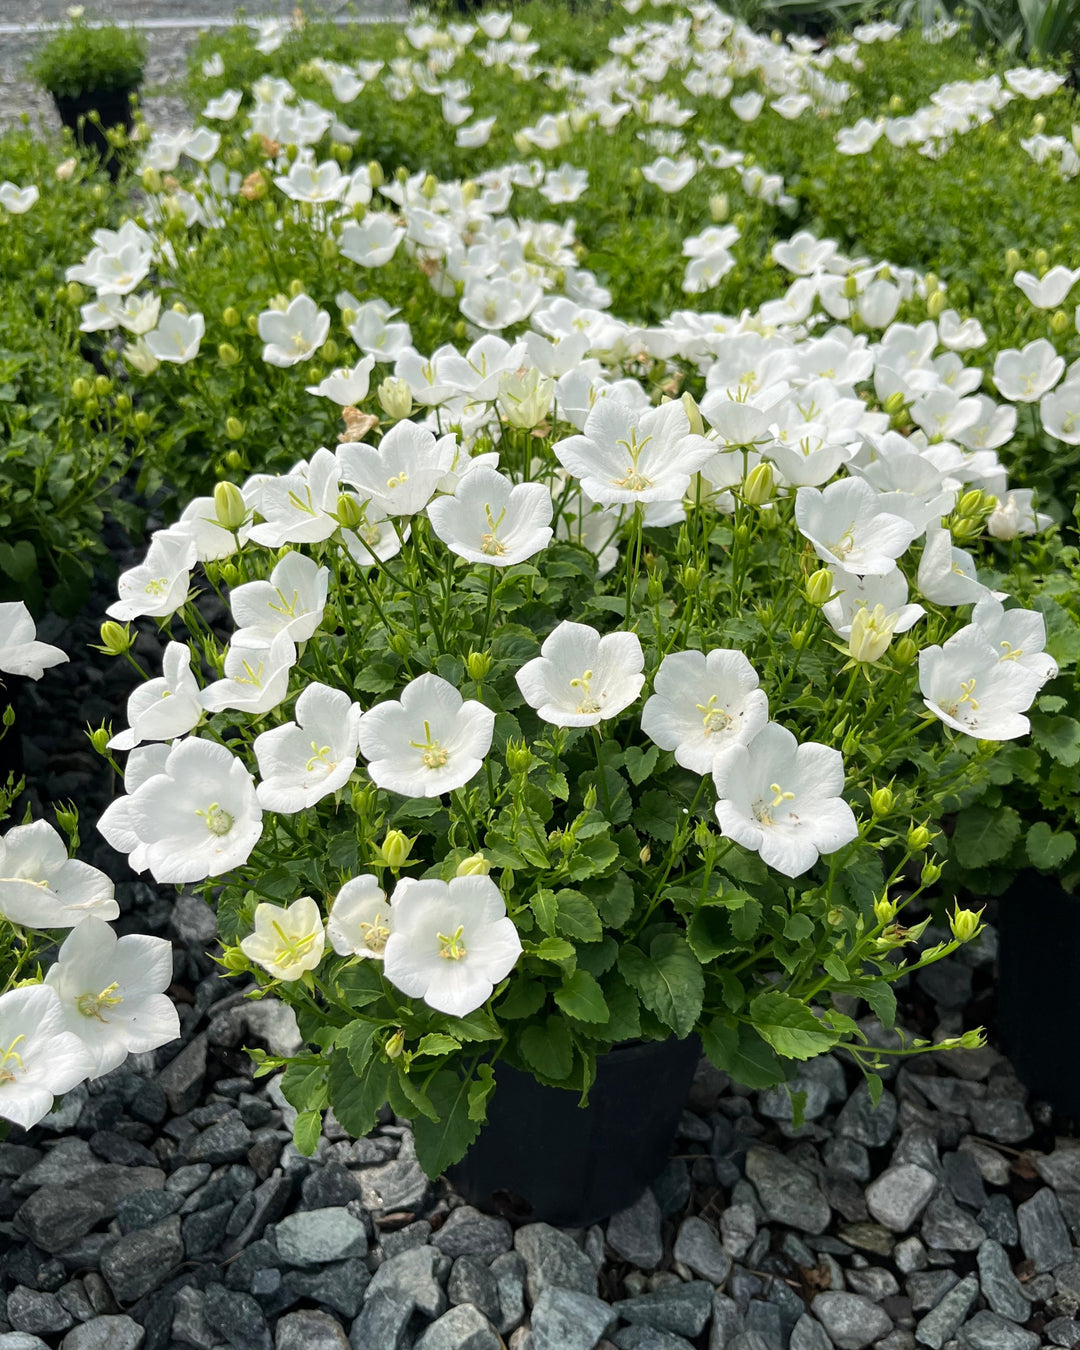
{"x": 614, "y": 545}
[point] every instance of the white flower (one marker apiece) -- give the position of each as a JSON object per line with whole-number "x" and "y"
{"x": 1049, "y": 291}
{"x": 159, "y": 585}
{"x": 198, "y": 818}
{"x": 371, "y": 330}
{"x": 476, "y": 134}
{"x": 1024, "y": 376}
{"x": 373, "y": 241}
{"x": 625, "y": 455}
{"x": 346, "y": 386}
{"x": 669, "y": 175}
{"x": 291, "y": 602}
{"x": 256, "y": 673}
{"x": 360, "y": 919}
{"x": 299, "y": 506}
{"x": 960, "y": 336}
{"x": 176, "y": 338}
{"x": 201, "y": 145}
{"x": 138, "y": 313}
{"x": 39, "y": 1060}
{"x": 286, "y": 941}
{"x": 947, "y": 574}
{"x": 1017, "y": 635}
{"x": 374, "y": 539}
{"x": 41, "y": 887}
{"x": 847, "y": 527}
{"x": 293, "y": 334}
{"x": 564, "y": 184}
{"x": 969, "y": 686}
{"x": 165, "y": 708}
{"x": 489, "y": 520}
{"x": 20, "y": 651}
{"x": 703, "y": 703}
{"x": 199, "y": 522}
{"x": 112, "y": 992}
{"x": 852, "y": 593}
{"x": 783, "y": 800}
{"x": 746, "y": 107}
{"x": 1015, "y": 514}
{"x": 451, "y": 942}
{"x": 581, "y": 678}
{"x": 1060, "y": 412}
{"x": 17, "y": 200}
{"x": 302, "y": 762}
{"x": 429, "y": 742}
{"x": 225, "y": 107}
{"x": 399, "y": 475}
{"x": 116, "y": 822}
{"x": 309, "y": 182}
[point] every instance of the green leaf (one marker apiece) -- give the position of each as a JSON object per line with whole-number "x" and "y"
{"x": 358, "y": 1042}
{"x": 546, "y": 909}
{"x": 551, "y": 949}
{"x": 789, "y": 1026}
{"x": 360, "y": 985}
{"x": 522, "y": 999}
{"x": 478, "y": 1025}
{"x": 408, "y": 1098}
{"x": 591, "y": 858}
{"x": 836, "y": 967}
{"x": 548, "y": 1049}
{"x": 438, "y": 1144}
{"x": 798, "y": 927}
{"x": 983, "y": 835}
{"x": 307, "y": 1130}
{"x": 581, "y": 998}
{"x": 875, "y": 1087}
{"x": 304, "y": 1086}
{"x": 437, "y": 1043}
{"x": 480, "y": 1091}
{"x": 624, "y": 1010}
{"x": 640, "y": 763}
{"x": 881, "y": 999}
{"x": 577, "y": 917}
{"x": 739, "y": 1051}
{"x": 18, "y": 560}
{"x": 656, "y": 814}
{"x": 356, "y": 1098}
{"x": 709, "y": 933}
{"x": 1049, "y": 849}
{"x": 746, "y": 920}
{"x": 668, "y": 980}
{"x": 613, "y": 898}
{"x": 1059, "y": 737}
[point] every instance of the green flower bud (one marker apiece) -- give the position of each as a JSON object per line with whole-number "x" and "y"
{"x": 918, "y": 838}
{"x": 965, "y": 924}
{"x": 1042, "y": 259}
{"x": 896, "y": 104}
{"x": 475, "y": 865}
{"x": 401, "y": 644}
{"x": 329, "y": 351}
{"x": 80, "y": 389}
{"x": 930, "y": 873}
{"x": 395, "y": 398}
{"x": 232, "y": 958}
{"x": 229, "y": 506}
{"x": 834, "y": 918}
{"x": 429, "y": 187}
{"x": 819, "y": 586}
{"x": 895, "y": 403}
{"x": 102, "y": 385}
{"x": 123, "y": 403}
{"x": 590, "y": 799}
{"x": 477, "y": 664}
{"x": 75, "y": 293}
{"x": 395, "y": 1044}
{"x": 234, "y": 428}
{"x": 885, "y": 910}
{"x": 1012, "y": 261}
{"x": 116, "y": 638}
{"x": 375, "y": 174}
{"x": 142, "y": 421}
{"x": 395, "y": 849}
{"x": 645, "y": 855}
{"x": 252, "y": 324}
{"x": 693, "y": 413}
{"x": 850, "y": 288}
{"x": 935, "y": 303}
{"x": 233, "y": 459}
{"x": 296, "y": 287}
{"x": 689, "y": 578}
{"x": 760, "y": 484}
{"x": 1059, "y": 322}
{"x": 882, "y": 801}
{"x": 519, "y": 758}
{"x": 227, "y": 354}
{"x": 230, "y": 317}
{"x": 719, "y": 207}
{"x": 349, "y": 511}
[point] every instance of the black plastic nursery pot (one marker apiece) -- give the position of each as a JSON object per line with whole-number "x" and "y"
{"x": 541, "y": 1157}
{"x": 1039, "y": 987}
{"x": 113, "y": 108}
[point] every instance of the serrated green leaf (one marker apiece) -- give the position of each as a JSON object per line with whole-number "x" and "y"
{"x": 356, "y": 1098}
{"x": 668, "y": 980}
{"x": 984, "y": 835}
{"x": 548, "y": 1049}
{"x": 656, "y": 814}
{"x": 1048, "y": 849}
{"x": 480, "y": 1091}
{"x": 739, "y": 1051}
{"x": 304, "y": 1086}
{"x": 875, "y": 1087}
{"x": 1059, "y": 737}
{"x": 798, "y": 927}
{"x": 577, "y": 917}
{"x": 478, "y": 1025}
{"x": 882, "y": 1001}
{"x": 360, "y": 985}
{"x": 522, "y": 999}
{"x": 835, "y": 967}
{"x": 445, "y": 1141}
{"x": 789, "y": 1026}
{"x": 550, "y": 949}
{"x": 437, "y": 1043}
{"x": 407, "y": 1097}
{"x": 709, "y": 933}
{"x": 358, "y": 1042}
{"x": 581, "y": 997}
{"x": 614, "y": 898}
{"x": 545, "y": 908}
{"x": 746, "y": 920}
{"x": 307, "y": 1130}
{"x": 640, "y": 763}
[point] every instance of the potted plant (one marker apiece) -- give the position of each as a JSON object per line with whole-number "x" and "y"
{"x": 92, "y": 72}
{"x": 499, "y": 783}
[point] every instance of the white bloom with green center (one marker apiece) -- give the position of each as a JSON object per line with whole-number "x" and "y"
{"x": 1049, "y": 291}
{"x": 947, "y": 574}
{"x": 304, "y": 761}
{"x": 398, "y": 477}
{"x": 158, "y": 586}
{"x": 199, "y": 522}
{"x": 112, "y": 992}
{"x": 782, "y": 799}
{"x": 177, "y": 337}
{"x": 580, "y": 678}
{"x": 852, "y": 594}
{"x": 16, "y": 200}
{"x": 300, "y": 506}
{"x": 1017, "y": 635}
{"x": 490, "y": 520}
{"x": 430, "y": 742}
{"x": 286, "y": 941}
{"x": 41, "y": 887}
{"x": 307, "y": 181}
{"x": 293, "y": 334}
{"x": 116, "y": 822}
{"x": 848, "y": 528}
{"x": 291, "y": 602}
{"x": 1024, "y": 376}
{"x": 703, "y": 703}
{"x": 1015, "y": 514}
{"x": 451, "y": 942}
{"x": 39, "y": 1059}
{"x": 165, "y": 708}
{"x": 346, "y": 386}
{"x": 20, "y": 651}
{"x": 373, "y": 241}
{"x": 626, "y": 455}
{"x": 361, "y": 920}
{"x": 256, "y": 676}
{"x": 1060, "y": 412}
{"x": 968, "y": 686}
{"x": 198, "y": 818}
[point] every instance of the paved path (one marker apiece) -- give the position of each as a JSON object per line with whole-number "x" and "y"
{"x": 170, "y": 26}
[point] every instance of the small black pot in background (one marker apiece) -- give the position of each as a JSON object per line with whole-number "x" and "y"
{"x": 1039, "y": 987}
{"x": 113, "y": 107}
{"x": 541, "y": 1157}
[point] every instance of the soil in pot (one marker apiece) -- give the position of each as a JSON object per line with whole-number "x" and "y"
{"x": 113, "y": 108}
{"x": 541, "y": 1157}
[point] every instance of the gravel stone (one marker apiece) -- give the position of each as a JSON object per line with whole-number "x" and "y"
{"x": 411, "y": 1277}
{"x": 927, "y": 1288}
{"x": 467, "y": 1232}
{"x": 36, "y": 1312}
{"x": 648, "y": 1338}
{"x": 847, "y": 1157}
{"x": 850, "y": 1320}
{"x": 945, "y": 1320}
{"x": 237, "y": 1317}
{"x": 634, "y": 1233}
{"x": 1043, "y": 1234}
{"x": 105, "y": 1333}
{"x": 55, "y": 1216}
{"x": 1003, "y": 1119}
{"x": 340, "y": 1286}
{"x": 909, "y": 1255}
{"x": 866, "y": 1123}
{"x": 808, "y": 1334}
{"x": 998, "y": 1217}
{"x": 565, "y": 1319}
{"x": 899, "y": 1196}
{"x": 788, "y": 1193}
{"x": 947, "y": 1226}
{"x": 21, "y": 1340}
{"x": 1000, "y": 1287}
{"x": 777, "y": 1104}
{"x": 140, "y": 1261}
{"x": 1060, "y": 1169}
{"x": 683, "y": 1308}
{"x": 182, "y": 1078}
{"x": 964, "y": 1180}
{"x": 738, "y": 1229}
{"x": 509, "y": 1272}
{"x": 471, "y": 1281}
{"x": 397, "y": 1184}
{"x": 145, "y": 1208}
{"x": 873, "y": 1283}
{"x": 462, "y": 1328}
{"x": 227, "y": 1140}
{"x": 988, "y": 1331}
{"x": 309, "y": 1331}
{"x": 382, "y": 1323}
{"x": 553, "y": 1260}
{"x": 699, "y": 1249}
{"x": 315, "y": 1236}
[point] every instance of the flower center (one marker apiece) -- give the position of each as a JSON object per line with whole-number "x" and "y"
{"x": 714, "y": 718}
{"x": 764, "y": 810}
{"x": 587, "y": 704}
{"x": 250, "y": 676}
{"x": 300, "y": 504}
{"x": 218, "y": 821}
{"x": 287, "y": 608}
{"x": 90, "y": 1005}
{"x": 434, "y": 756}
{"x": 320, "y": 755}
{"x": 375, "y": 935}
{"x": 398, "y": 480}
{"x": 11, "y": 1057}
{"x": 452, "y": 948}
{"x": 845, "y": 543}
{"x": 635, "y": 480}
{"x": 300, "y": 342}
{"x": 292, "y": 949}
{"x": 1010, "y": 653}
{"x": 490, "y": 543}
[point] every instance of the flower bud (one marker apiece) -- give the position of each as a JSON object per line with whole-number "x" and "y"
{"x": 229, "y": 506}
{"x": 834, "y": 918}
{"x": 116, "y": 638}
{"x": 477, "y": 664}
{"x": 468, "y": 192}
{"x": 395, "y": 1044}
{"x": 871, "y": 633}
{"x": 329, "y": 351}
{"x": 233, "y": 459}
{"x": 760, "y": 484}
{"x": 930, "y": 873}
{"x": 689, "y": 578}
{"x": 918, "y": 838}
{"x": 645, "y": 855}
{"x": 882, "y": 801}
{"x": 395, "y": 398}
{"x": 80, "y": 389}
{"x": 719, "y": 207}
{"x": 234, "y": 428}
{"x": 885, "y": 910}
{"x": 895, "y": 402}
{"x": 75, "y": 293}
{"x": 1042, "y": 258}
{"x": 935, "y": 304}
{"x": 123, "y": 403}
{"x": 375, "y": 174}
{"x": 227, "y": 354}
{"x": 395, "y": 849}
{"x": 67, "y": 817}
{"x": 850, "y": 288}
{"x": 655, "y": 588}
{"x": 65, "y": 170}
{"x": 965, "y": 924}
{"x": 429, "y": 187}
{"x": 519, "y": 758}
{"x": 475, "y": 865}
{"x": 230, "y": 317}
{"x": 296, "y": 287}
{"x": 819, "y": 586}
{"x": 905, "y": 651}
{"x": 142, "y": 421}
{"x": 100, "y": 737}
{"x": 800, "y": 637}
{"x": 693, "y": 414}
{"x": 896, "y": 104}
{"x": 232, "y": 958}
{"x": 1012, "y": 261}
{"x": 590, "y": 799}
{"x": 1059, "y": 322}
{"x": 151, "y": 179}
{"x": 401, "y": 644}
